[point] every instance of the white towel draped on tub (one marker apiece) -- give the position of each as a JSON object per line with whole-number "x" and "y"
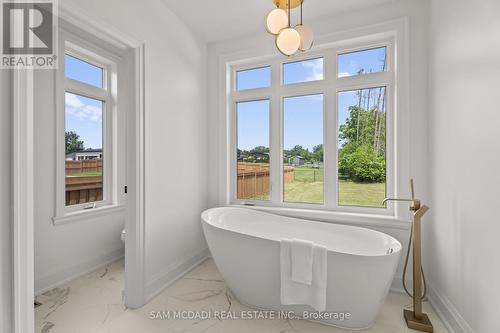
{"x": 292, "y": 292}
{"x": 302, "y": 261}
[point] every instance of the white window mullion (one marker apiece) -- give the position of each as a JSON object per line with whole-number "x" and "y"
{"x": 330, "y": 137}
{"x": 364, "y": 81}
{"x": 86, "y": 90}
{"x": 276, "y": 135}
{"x": 251, "y": 95}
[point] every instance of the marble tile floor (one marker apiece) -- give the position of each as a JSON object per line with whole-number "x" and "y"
{"x": 93, "y": 304}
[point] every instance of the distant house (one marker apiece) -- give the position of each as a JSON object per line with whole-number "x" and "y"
{"x": 296, "y": 161}
{"x": 82, "y": 155}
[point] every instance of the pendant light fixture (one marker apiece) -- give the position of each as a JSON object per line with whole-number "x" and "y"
{"x": 276, "y": 21}
{"x": 289, "y": 40}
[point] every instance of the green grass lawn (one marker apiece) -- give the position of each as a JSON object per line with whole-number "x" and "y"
{"x": 308, "y": 188}
{"x": 361, "y": 194}
{"x": 350, "y": 193}
{"x": 302, "y": 192}
{"x": 85, "y": 174}
{"x": 305, "y": 174}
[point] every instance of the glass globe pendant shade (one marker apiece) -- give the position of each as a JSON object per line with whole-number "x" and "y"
{"x": 306, "y": 37}
{"x": 288, "y": 41}
{"x": 276, "y": 20}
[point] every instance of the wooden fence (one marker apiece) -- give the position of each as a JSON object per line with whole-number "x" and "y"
{"x": 82, "y": 189}
{"x": 76, "y": 167}
{"x": 253, "y": 179}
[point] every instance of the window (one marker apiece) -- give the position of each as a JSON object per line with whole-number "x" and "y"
{"x": 303, "y": 71}
{"x": 322, "y": 137}
{"x": 88, "y": 104}
{"x": 253, "y": 78}
{"x": 253, "y": 150}
{"x": 362, "y": 62}
{"x": 362, "y": 147}
{"x": 83, "y": 139}
{"x": 80, "y": 70}
{"x": 84, "y": 133}
{"x": 303, "y": 149}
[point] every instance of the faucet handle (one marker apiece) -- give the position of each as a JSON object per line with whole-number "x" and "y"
{"x": 395, "y": 199}
{"x": 414, "y": 203}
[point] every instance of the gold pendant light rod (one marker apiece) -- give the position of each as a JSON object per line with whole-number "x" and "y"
{"x": 283, "y": 4}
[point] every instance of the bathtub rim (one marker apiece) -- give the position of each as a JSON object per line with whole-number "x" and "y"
{"x": 332, "y": 216}
{"x": 204, "y": 218}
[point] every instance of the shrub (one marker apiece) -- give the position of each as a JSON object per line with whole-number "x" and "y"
{"x": 361, "y": 164}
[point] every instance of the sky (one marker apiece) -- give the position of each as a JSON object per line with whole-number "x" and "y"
{"x": 303, "y": 115}
{"x": 83, "y": 114}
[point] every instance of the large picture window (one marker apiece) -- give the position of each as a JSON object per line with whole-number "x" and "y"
{"x": 316, "y": 132}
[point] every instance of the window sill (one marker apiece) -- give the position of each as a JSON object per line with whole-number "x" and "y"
{"x": 87, "y": 214}
{"x": 356, "y": 219}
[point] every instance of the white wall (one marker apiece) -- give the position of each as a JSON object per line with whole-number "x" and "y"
{"x": 261, "y": 42}
{"x": 5, "y": 202}
{"x": 176, "y": 132}
{"x": 463, "y": 233}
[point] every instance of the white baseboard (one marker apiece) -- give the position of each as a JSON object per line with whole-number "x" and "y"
{"x": 447, "y": 312}
{"x": 173, "y": 273}
{"x": 397, "y": 284}
{"x": 57, "y": 278}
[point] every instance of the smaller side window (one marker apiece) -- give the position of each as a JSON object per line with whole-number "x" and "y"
{"x": 85, "y": 132}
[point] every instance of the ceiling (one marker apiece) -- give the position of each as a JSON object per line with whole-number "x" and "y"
{"x": 217, "y": 20}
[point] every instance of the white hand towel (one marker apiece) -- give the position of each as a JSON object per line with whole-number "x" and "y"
{"x": 299, "y": 293}
{"x": 302, "y": 261}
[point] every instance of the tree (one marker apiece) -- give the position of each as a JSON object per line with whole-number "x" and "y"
{"x": 73, "y": 142}
{"x": 362, "y": 139}
{"x": 318, "y": 153}
{"x": 260, "y": 150}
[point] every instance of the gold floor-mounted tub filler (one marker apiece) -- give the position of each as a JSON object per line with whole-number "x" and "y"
{"x": 415, "y": 319}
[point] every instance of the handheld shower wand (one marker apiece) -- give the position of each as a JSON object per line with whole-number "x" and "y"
{"x": 415, "y": 319}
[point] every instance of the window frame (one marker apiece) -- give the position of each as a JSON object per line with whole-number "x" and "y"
{"x": 330, "y": 86}
{"x": 91, "y": 53}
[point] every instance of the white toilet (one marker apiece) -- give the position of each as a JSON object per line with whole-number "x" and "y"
{"x": 123, "y": 236}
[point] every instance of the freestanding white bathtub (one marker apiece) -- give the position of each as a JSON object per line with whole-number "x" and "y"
{"x": 245, "y": 245}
